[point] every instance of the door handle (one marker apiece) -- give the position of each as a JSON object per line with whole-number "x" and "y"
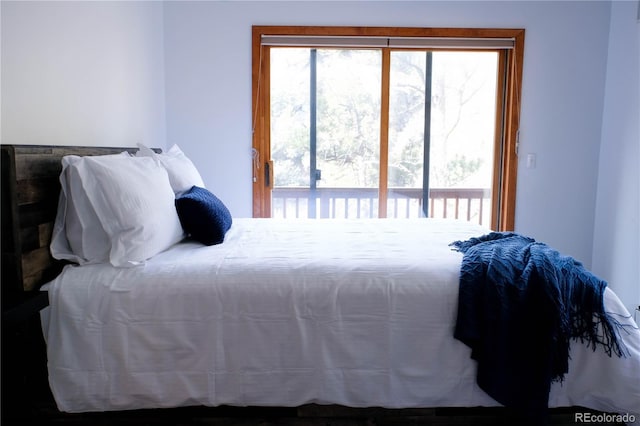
{"x": 268, "y": 166}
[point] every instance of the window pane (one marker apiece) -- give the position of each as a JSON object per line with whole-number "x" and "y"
{"x": 345, "y": 145}
{"x": 349, "y": 117}
{"x": 290, "y": 116}
{"x": 406, "y": 133}
{"x": 459, "y": 138}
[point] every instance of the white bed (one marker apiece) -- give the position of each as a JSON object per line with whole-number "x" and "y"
{"x": 284, "y": 313}
{"x": 262, "y": 312}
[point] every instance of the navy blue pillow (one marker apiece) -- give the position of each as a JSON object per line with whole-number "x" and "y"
{"x": 203, "y": 216}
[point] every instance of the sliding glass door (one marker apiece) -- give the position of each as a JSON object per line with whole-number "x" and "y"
{"x": 367, "y": 131}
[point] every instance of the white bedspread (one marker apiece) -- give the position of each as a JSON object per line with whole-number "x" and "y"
{"x": 283, "y": 313}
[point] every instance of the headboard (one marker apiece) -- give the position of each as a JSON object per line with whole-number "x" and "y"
{"x": 30, "y": 190}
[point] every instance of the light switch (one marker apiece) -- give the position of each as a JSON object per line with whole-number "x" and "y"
{"x": 531, "y": 161}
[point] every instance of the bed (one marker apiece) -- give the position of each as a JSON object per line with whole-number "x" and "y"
{"x": 355, "y": 313}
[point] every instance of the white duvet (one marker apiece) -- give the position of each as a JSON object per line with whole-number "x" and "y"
{"x": 284, "y": 313}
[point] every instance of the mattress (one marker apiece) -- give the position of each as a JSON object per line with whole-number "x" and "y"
{"x": 284, "y": 313}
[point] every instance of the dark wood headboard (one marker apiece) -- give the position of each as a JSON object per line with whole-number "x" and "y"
{"x": 30, "y": 191}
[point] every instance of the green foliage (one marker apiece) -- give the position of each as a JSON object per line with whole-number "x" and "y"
{"x": 460, "y": 168}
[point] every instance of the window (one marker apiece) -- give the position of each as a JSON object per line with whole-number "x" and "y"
{"x": 386, "y": 122}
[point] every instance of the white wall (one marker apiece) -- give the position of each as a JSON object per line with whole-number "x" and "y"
{"x": 82, "y": 73}
{"x": 616, "y": 249}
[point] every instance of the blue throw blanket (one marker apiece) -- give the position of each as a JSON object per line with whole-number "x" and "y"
{"x": 520, "y": 304}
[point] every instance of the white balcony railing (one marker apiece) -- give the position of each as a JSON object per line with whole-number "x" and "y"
{"x": 472, "y": 204}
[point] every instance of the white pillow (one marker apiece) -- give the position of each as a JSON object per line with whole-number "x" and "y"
{"x": 183, "y": 174}
{"x": 78, "y": 234}
{"x": 134, "y": 201}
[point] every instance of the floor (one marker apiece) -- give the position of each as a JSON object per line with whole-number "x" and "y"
{"x": 308, "y": 415}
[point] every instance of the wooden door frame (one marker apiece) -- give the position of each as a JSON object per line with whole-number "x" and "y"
{"x": 507, "y": 127}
